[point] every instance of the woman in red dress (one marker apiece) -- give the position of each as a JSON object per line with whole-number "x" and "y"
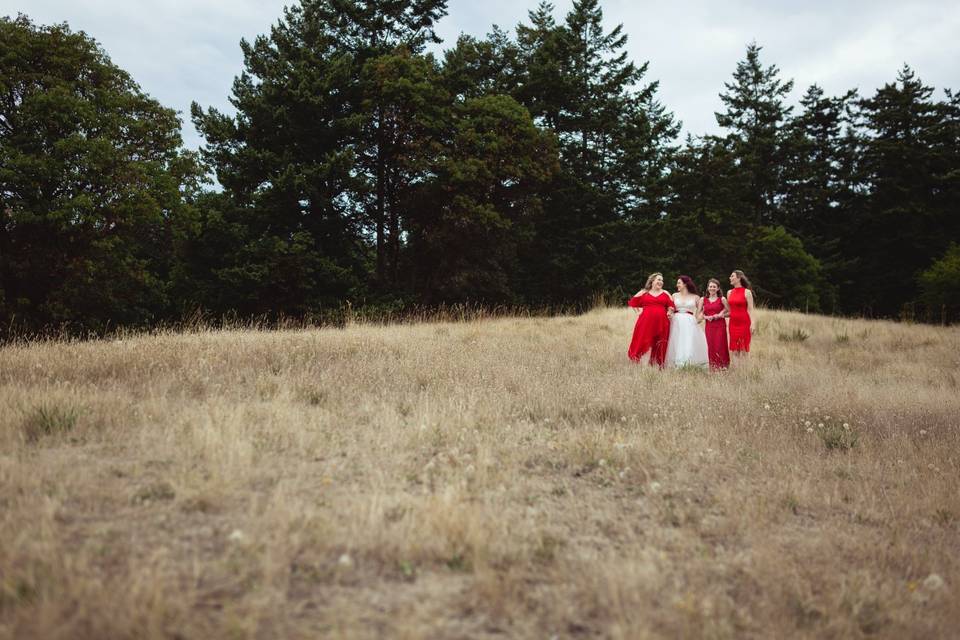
{"x": 653, "y": 326}
{"x": 740, "y": 299}
{"x": 714, "y": 311}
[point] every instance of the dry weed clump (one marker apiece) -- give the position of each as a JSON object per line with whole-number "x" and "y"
{"x": 480, "y": 477}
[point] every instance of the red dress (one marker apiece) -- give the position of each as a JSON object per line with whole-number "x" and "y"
{"x": 716, "y": 331}
{"x": 652, "y": 329}
{"x": 739, "y": 320}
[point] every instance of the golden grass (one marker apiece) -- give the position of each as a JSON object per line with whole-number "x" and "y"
{"x": 500, "y": 478}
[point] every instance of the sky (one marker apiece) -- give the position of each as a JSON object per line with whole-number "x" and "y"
{"x": 185, "y": 50}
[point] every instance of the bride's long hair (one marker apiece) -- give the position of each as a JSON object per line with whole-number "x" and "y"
{"x": 650, "y": 279}
{"x": 689, "y": 284}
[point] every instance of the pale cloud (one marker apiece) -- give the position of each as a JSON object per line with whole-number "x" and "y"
{"x": 183, "y": 50}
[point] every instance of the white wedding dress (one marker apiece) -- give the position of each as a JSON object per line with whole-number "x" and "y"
{"x": 687, "y": 345}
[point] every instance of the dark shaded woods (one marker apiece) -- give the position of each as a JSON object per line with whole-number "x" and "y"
{"x": 533, "y": 170}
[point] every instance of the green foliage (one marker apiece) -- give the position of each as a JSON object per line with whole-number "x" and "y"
{"x": 755, "y": 114}
{"x": 819, "y": 187}
{"x": 940, "y": 283}
{"x": 910, "y": 159}
{"x": 91, "y": 178}
{"x": 469, "y": 222}
{"x": 786, "y": 275}
{"x": 614, "y": 144}
{"x": 797, "y": 335}
{"x": 49, "y": 420}
{"x": 157, "y": 492}
{"x": 837, "y": 437}
{"x": 539, "y": 169}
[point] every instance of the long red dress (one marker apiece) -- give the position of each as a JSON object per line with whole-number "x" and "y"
{"x": 652, "y": 329}
{"x": 716, "y": 331}
{"x": 739, "y": 320}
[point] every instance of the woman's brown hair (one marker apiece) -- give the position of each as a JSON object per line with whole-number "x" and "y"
{"x": 744, "y": 282}
{"x": 706, "y": 290}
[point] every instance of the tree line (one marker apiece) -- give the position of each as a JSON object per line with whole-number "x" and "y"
{"x": 534, "y": 168}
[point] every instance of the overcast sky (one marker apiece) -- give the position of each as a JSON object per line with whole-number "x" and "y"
{"x": 183, "y": 50}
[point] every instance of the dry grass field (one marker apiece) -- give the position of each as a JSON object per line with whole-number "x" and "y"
{"x": 504, "y": 478}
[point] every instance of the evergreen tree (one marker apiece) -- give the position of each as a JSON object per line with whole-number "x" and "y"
{"x": 367, "y": 29}
{"x": 755, "y": 114}
{"x": 306, "y": 160}
{"x": 475, "y": 68}
{"x": 820, "y": 205}
{"x": 474, "y": 211}
{"x": 907, "y": 167}
{"x": 613, "y": 139}
{"x": 707, "y": 227}
{"x": 540, "y": 64}
{"x": 286, "y": 162}
{"x": 412, "y": 107}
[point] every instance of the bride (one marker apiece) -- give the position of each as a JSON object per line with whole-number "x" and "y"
{"x": 687, "y": 344}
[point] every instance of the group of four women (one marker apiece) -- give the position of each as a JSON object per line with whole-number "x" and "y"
{"x": 668, "y": 327}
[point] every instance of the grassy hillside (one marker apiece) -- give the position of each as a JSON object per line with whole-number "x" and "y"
{"x": 502, "y": 478}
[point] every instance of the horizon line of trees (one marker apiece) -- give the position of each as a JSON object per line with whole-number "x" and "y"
{"x": 535, "y": 169}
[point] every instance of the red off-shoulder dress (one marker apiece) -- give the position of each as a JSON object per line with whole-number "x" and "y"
{"x": 652, "y": 329}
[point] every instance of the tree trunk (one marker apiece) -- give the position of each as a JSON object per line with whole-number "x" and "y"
{"x": 7, "y": 281}
{"x": 394, "y": 231}
{"x": 381, "y": 178}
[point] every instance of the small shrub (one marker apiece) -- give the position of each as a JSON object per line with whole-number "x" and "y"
{"x": 547, "y": 548}
{"x": 693, "y": 369}
{"x": 20, "y": 592}
{"x": 197, "y": 505}
{"x": 407, "y": 569}
{"x": 314, "y": 397}
{"x": 154, "y": 492}
{"x": 792, "y": 504}
{"x": 943, "y": 517}
{"x": 49, "y": 420}
{"x": 797, "y": 335}
{"x": 459, "y": 563}
{"x": 837, "y": 437}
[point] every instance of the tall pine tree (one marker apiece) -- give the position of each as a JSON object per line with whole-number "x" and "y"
{"x": 820, "y": 205}
{"x": 755, "y": 115}
{"x": 613, "y": 138}
{"x": 907, "y": 169}
{"x": 306, "y": 162}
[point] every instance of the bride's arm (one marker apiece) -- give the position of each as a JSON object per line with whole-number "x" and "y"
{"x": 699, "y": 314}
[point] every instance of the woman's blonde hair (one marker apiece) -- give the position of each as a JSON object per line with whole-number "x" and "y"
{"x": 650, "y": 279}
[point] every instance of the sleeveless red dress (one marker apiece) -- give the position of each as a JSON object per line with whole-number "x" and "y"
{"x": 652, "y": 329}
{"x": 739, "y": 320}
{"x": 716, "y": 331}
